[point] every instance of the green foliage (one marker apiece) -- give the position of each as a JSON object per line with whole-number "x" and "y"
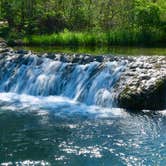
{"x": 52, "y": 23}
{"x": 147, "y": 16}
{"x": 102, "y": 22}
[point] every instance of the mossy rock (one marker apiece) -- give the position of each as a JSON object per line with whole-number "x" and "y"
{"x": 153, "y": 98}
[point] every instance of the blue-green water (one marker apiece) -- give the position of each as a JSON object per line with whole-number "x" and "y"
{"x": 34, "y": 132}
{"x": 55, "y": 113}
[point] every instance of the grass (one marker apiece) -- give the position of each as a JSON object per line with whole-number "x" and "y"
{"x": 67, "y": 39}
{"x": 118, "y": 37}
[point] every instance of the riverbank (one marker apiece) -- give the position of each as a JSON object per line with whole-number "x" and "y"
{"x": 76, "y": 39}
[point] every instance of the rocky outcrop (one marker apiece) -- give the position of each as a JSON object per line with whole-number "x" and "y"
{"x": 3, "y": 47}
{"x": 143, "y": 84}
{"x": 151, "y": 98}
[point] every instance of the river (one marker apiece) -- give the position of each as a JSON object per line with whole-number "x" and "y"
{"x": 55, "y": 113}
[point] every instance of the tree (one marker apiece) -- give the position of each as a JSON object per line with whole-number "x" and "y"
{"x": 147, "y": 16}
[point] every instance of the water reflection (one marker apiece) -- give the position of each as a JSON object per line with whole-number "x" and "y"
{"x": 118, "y": 50}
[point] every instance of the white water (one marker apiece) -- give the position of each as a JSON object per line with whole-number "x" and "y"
{"x": 44, "y": 105}
{"x": 90, "y": 84}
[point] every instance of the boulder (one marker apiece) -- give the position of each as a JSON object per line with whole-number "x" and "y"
{"x": 151, "y": 98}
{"x": 142, "y": 86}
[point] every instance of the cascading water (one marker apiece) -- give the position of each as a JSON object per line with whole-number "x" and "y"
{"x": 54, "y": 112}
{"x": 90, "y": 83}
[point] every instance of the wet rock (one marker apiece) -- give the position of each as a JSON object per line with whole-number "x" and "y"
{"x": 3, "y": 50}
{"x": 59, "y": 57}
{"x": 143, "y": 84}
{"x": 23, "y": 52}
{"x": 88, "y": 59}
{"x": 151, "y": 98}
{"x": 99, "y": 58}
{"x": 2, "y": 43}
{"x": 50, "y": 55}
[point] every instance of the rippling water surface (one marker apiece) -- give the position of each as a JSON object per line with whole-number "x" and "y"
{"x": 54, "y": 113}
{"x": 59, "y": 131}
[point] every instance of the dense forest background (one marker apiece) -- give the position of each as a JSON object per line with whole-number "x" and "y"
{"x": 36, "y": 17}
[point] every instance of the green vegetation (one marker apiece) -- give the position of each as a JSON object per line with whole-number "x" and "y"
{"x": 95, "y": 38}
{"x": 83, "y": 22}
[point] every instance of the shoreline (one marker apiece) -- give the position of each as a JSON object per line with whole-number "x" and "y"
{"x": 92, "y": 39}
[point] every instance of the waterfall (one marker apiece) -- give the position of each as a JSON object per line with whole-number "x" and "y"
{"x": 90, "y": 83}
